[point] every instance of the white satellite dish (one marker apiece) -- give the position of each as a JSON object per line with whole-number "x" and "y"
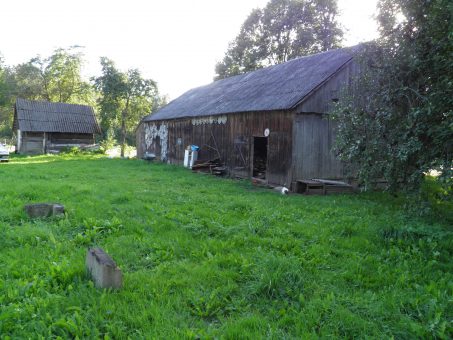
{"x": 266, "y": 132}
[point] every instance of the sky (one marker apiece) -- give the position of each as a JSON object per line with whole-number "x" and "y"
{"x": 174, "y": 42}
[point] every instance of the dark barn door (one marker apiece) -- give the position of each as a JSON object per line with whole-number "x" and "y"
{"x": 279, "y": 158}
{"x": 260, "y": 152}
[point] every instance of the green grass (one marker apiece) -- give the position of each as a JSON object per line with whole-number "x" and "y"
{"x": 205, "y": 257}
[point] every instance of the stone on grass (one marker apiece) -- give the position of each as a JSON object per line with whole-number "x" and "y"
{"x": 103, "y": 270}
{"x": 40, "y": 210}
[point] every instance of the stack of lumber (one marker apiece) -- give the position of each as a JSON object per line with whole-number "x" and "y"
{"x": 259, "y": 169}
{"x": 213, "y": 166}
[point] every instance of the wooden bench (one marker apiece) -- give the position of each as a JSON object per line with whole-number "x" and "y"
{"x": 322, "y": 187}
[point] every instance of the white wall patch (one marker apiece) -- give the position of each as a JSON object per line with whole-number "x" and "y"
{"x": 210, "y": 120}
{"x": 152, "y": 132}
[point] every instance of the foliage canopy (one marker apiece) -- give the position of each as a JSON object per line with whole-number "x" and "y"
{"x": 56, "y": 78}
{"x": 399, "y": 123}
{"x": 283, "y": 30}
{"x": 125, "y": 97}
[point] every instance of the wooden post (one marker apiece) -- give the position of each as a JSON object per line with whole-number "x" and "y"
{"x": 19, "y": 141}
{"x": 44, "y": 142}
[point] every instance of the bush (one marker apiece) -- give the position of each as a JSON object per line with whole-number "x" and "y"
{"x": 71, "y": 150}
{"x": 107, "y": 144}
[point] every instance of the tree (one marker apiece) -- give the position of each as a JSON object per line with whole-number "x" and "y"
{"x": 56, "y": 78}
{"x": 5, "y": 101}
{"x": 283, "y": 30}
{"x": 399, "y": 123}
{"x": 125, "y": 98}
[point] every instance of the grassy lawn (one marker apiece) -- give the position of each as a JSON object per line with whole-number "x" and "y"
{"x": 204, "y": 257}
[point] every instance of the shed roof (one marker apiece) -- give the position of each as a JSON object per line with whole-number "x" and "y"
{"x": 41, "y": 116}
{"x": 277, "y": 87}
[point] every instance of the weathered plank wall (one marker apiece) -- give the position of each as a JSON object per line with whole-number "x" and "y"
{"x": 232, "y": 135}
{"x": 322, "y": 98}
{"x": 314, "y": 134}
{"x": 41, "y": 142}
{"x": 57, "y": 141}
{"x": 70, "y": 138}
{"x": 313, "y": 156}
{"x": 32, "y": 143}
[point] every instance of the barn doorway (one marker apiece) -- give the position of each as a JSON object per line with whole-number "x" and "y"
{"x": 259, "y": 157}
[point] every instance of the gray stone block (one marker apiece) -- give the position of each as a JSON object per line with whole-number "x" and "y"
{"x": 40, "y": 210}
{"x": 103, "y": 270}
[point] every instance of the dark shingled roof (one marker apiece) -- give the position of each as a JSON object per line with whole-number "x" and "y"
{"x": 40, "y": 116}
{"x": 278, "y": 87}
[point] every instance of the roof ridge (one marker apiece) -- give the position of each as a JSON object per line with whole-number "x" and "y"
{"x": 49, "y": 102}
{"x": 54, "y": 117}
{"x": 67, "y": 112}
{"x": 276, "y": 87}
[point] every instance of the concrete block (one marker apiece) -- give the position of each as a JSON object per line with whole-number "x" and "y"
{"x": 103, "y": 270}
{"x": 40, "y": 210}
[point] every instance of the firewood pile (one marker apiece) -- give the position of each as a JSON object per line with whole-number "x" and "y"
{"x": 259, "y": 169}
{"x": 214, "y": 167}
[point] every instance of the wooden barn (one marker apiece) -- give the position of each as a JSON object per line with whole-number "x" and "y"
{"x": 271, "y": 124}
{"x": 43, "y": 127}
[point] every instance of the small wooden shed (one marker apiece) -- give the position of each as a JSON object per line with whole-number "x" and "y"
{"x": 272, "y": 124}
{"x": 43, "y": 127}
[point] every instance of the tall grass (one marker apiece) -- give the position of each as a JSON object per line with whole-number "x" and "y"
{"x": 204, "y": 257}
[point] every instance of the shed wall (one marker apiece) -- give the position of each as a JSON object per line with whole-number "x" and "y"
{"x": 58, "y": 141}
{"x": 31, "y": 143}
{"x": 231, "y": 135}
{"x": 41, "y": 142}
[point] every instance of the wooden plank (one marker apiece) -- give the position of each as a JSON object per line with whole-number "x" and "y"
{"x": 326, "y": 181}
{"x": 309, "y": 182}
